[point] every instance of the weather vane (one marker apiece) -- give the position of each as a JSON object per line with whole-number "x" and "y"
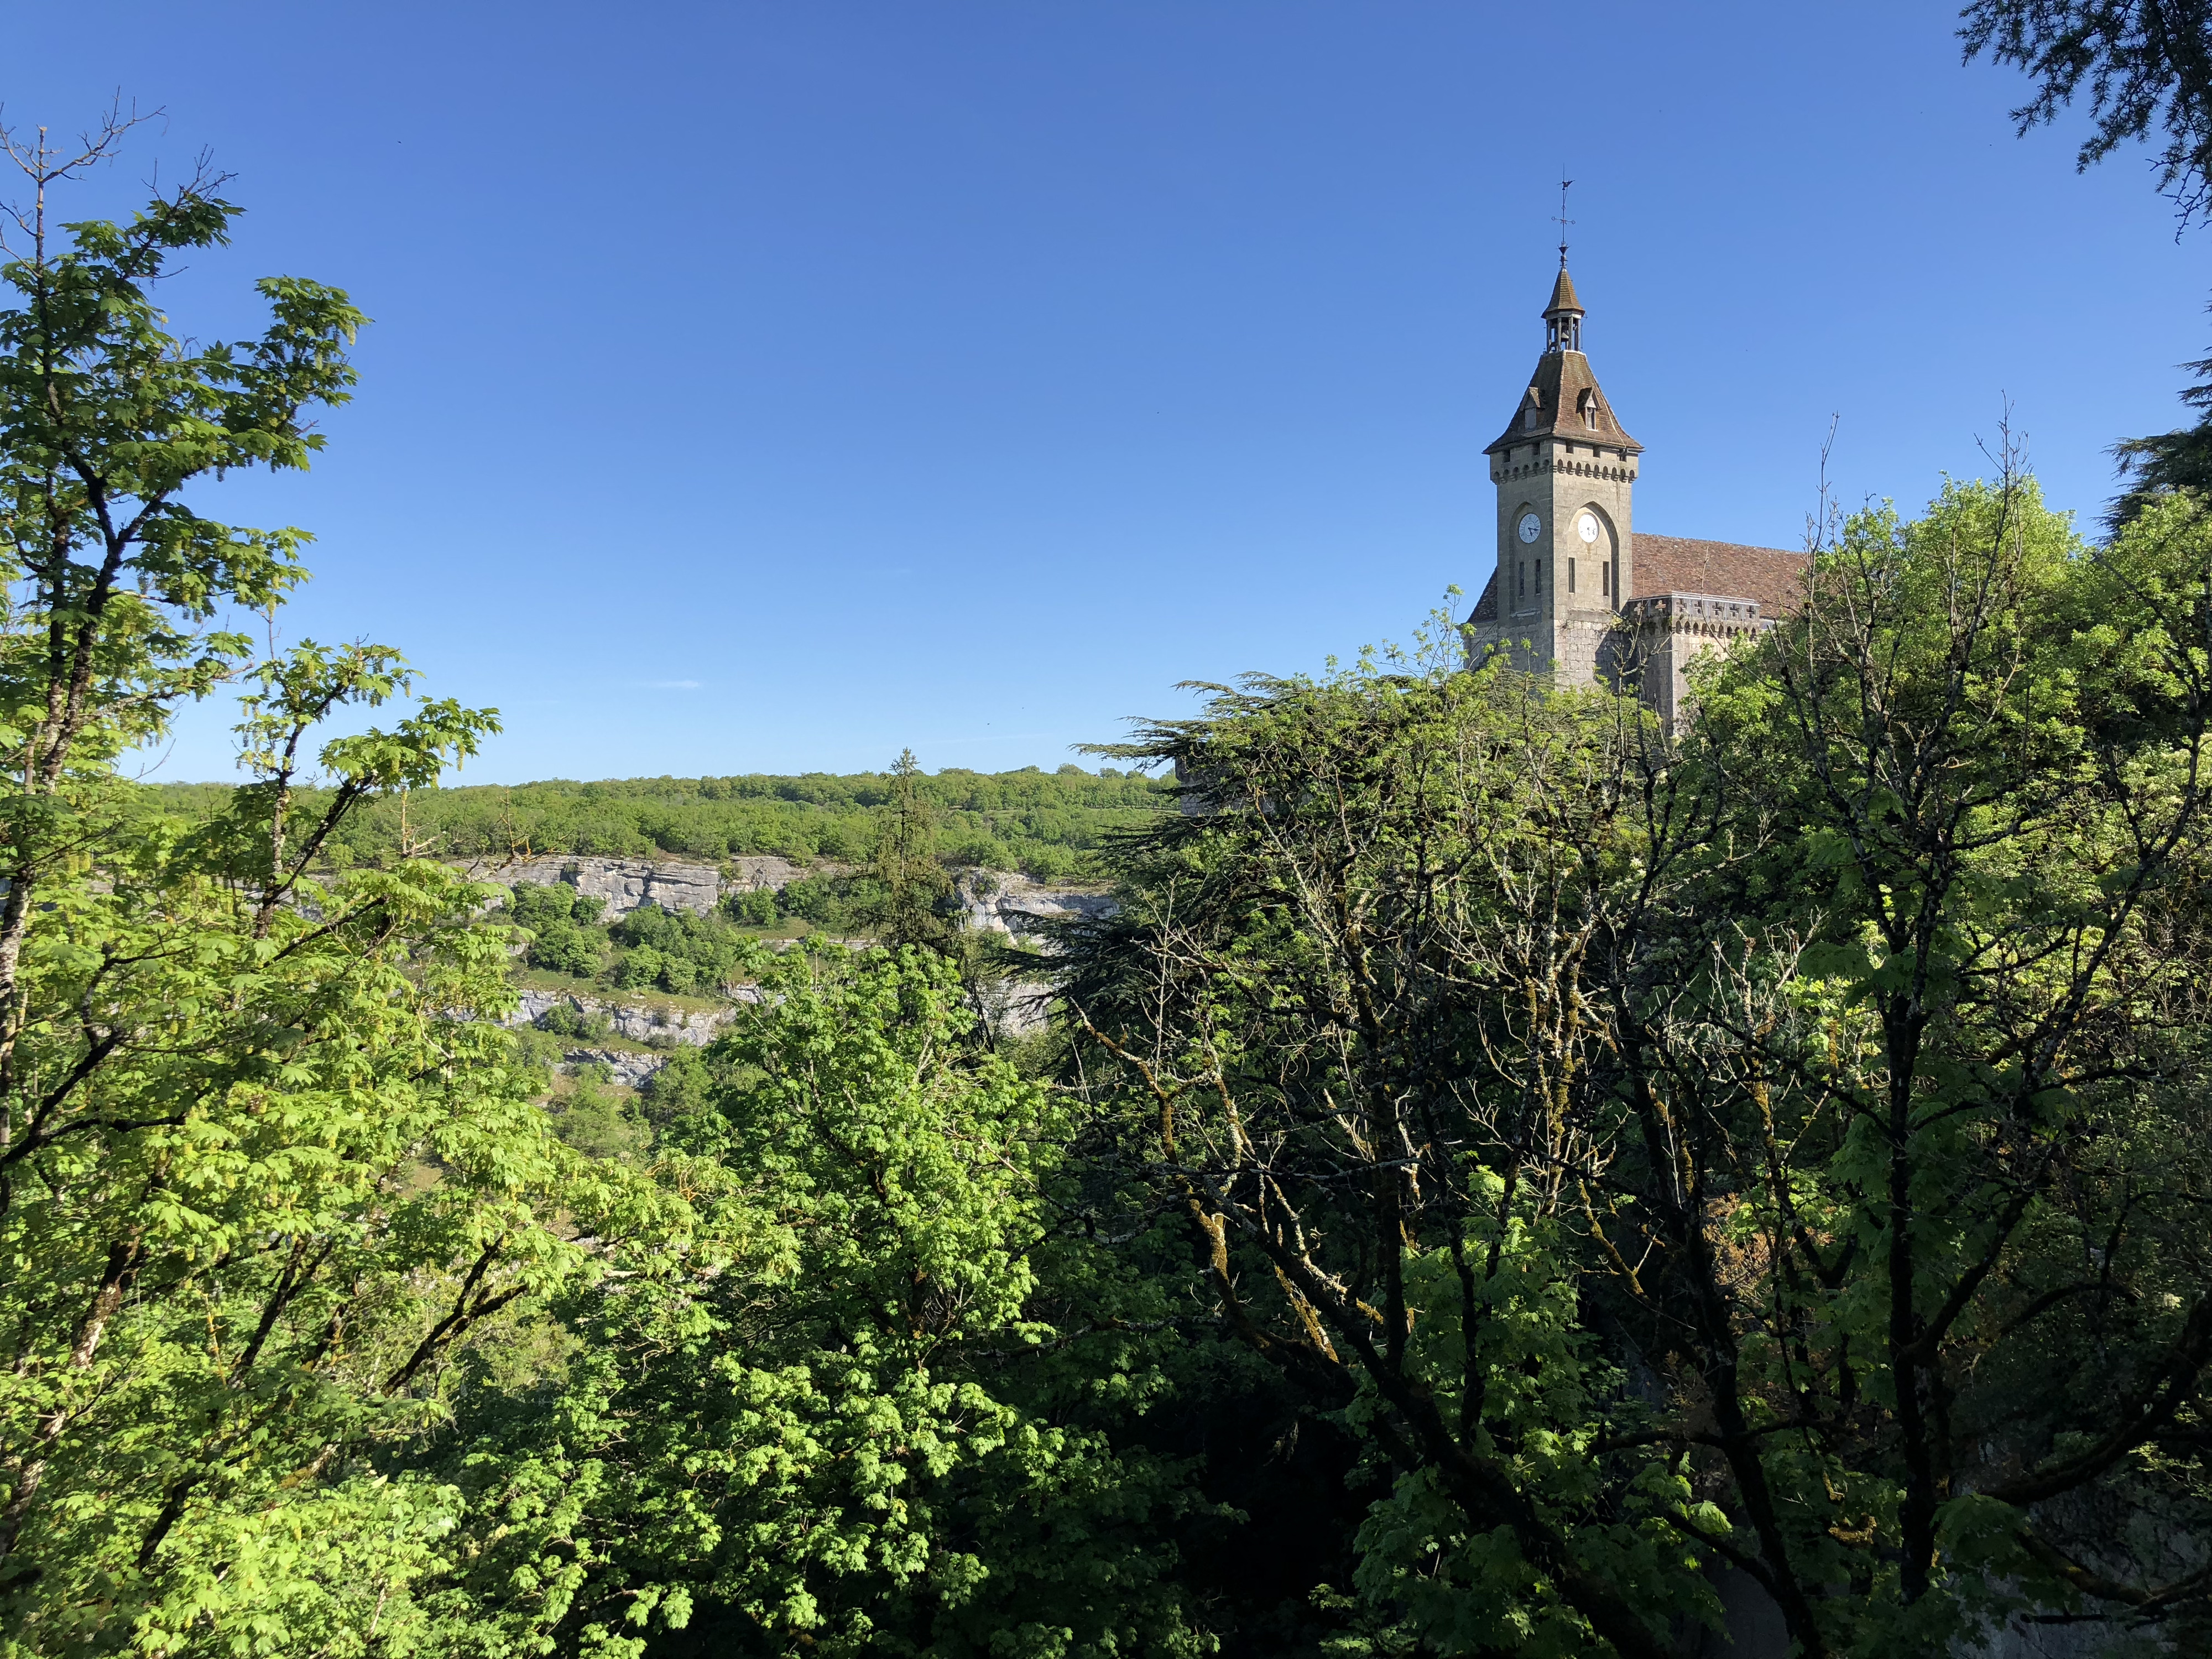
{"x": 1564, "y": 184}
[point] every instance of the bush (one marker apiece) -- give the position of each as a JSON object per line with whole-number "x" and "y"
{"x": 566, "y": 1019}
{"x": 567, "y": 949}
{"x": 640, "y": 970}
{"x": 678, "y": 1088}
{"x": 1047, "y": 863}
{"x": 818, "y": 899}
{"x": 598, "y": 1123}
{"x": 563, "y": 926}
{"x": 979, "y": 853}
{"x": 674, "y": 950}
{"x": 753, "y": 908}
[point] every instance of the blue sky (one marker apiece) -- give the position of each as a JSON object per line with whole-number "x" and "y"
{"x": 765, "y": 387}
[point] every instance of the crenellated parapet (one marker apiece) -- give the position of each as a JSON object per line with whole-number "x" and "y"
{"x": 1716, "y": 616}
{"x": 1661, "y": 635}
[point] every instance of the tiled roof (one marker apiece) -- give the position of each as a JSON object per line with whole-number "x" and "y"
{"x": 1485, "y": 608}
{"x": 1562, "y": 295}
{"x": 1557, "y": 386}
{"x": 1676, "y": 564}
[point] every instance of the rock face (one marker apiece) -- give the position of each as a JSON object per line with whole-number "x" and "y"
{"x": 693, "y": 1026}
{"x": 763, "y": 869}
{"x": 1000, "y": 903}
{"x": 1015, "y": 1008}
{"x": 628, "y": 1069}
{"x": 1015, "y": 905}
{"x": 624, "y": 884}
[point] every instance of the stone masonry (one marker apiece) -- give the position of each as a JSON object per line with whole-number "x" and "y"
{"x": 1576, "y": 594}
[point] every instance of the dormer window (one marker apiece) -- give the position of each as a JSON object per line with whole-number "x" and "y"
{"x": 1532, "y": 409}
{"x": 1589, "y": 402}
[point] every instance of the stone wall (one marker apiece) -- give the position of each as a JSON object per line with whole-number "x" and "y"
{"x": 1663, "y": 634}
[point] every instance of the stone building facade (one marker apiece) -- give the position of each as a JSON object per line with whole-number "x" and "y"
{"x": 1577, "y": 592}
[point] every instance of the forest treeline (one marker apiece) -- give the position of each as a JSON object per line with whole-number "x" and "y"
{"x": 1510, "y": 1176}
{"x": 1046, "y": 824}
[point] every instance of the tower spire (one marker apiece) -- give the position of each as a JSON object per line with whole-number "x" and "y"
{"x": 1563, "y": 317}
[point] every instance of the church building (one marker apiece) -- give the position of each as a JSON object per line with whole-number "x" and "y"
{"x": 1578, "y": 591}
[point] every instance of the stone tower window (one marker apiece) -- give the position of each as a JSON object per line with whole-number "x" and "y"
{"x": 1589, "y": 410}
{"x": 1571, "y": 575}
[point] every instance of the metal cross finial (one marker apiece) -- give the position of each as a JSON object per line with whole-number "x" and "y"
{"x": 1564, "y": 184}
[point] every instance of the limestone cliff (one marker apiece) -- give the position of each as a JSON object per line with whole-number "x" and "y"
{"x": 1016, "y": 905}
{"x": 639, "y": 1022}
{"x": 626, "y": 883}
{"x": 1005, "y": 904}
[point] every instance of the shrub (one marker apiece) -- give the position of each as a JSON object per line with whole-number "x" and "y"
{"x": 753, "y": 908}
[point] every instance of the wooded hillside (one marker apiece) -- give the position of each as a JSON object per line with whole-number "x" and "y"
{"x": 1048, "y": 823}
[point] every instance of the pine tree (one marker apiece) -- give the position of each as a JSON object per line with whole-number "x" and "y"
{"x": 917, "y": 904}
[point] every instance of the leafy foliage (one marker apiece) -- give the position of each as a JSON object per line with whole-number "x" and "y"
{"x": 1775, "y": 1145}
{"x": 1050, "y": 825}
{"x": 265, "y": 1169}
{"x": 822, "y": 1424}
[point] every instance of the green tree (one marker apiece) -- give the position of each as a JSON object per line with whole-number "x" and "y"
{"x": 1780, "y": 1147}
{"x": 917, "y": 904}
{"x": 820, "y": 1428}
{"x": 262, "y": 1175}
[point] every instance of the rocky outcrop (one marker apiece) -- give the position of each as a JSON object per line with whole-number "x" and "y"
{"x": 624, "y": 884}
{"x": 996, "y": 902}
{"x": 1015, "y": 1008}
{"x": 623, "y": 1066}
{"x": 753, "y": 872}
{"x": 638, "y": 1023}
{"x": 1015, "y": 905}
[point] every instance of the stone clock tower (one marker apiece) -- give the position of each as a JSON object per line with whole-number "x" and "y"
{"x": 1565, "y": 471}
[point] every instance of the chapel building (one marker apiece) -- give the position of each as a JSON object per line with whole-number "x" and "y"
{"x": 1578, "y": 592}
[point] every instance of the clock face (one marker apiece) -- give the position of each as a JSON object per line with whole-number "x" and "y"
{"x": 1531, "y": 527}
{"x": 1586, "y": 527}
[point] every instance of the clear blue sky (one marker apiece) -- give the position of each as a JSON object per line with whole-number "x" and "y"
{"x": 764, "y": 387}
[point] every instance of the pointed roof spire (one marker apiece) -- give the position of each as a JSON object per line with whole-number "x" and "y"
{"x": 1563, "y": 399}
{"x": 1563, "y": 317}
{"x": 1563, "y": 298}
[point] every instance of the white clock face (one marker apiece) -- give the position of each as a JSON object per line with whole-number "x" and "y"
{"x": 1531, "y": 527}
{"x": 1586, "y": 527}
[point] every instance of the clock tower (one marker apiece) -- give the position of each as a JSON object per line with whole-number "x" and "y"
{"x": 1564, "y": 470}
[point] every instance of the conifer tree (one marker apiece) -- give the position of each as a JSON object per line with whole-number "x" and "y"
{"x": 917, "y": 905}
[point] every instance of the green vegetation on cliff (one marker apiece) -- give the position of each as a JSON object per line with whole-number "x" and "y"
{"x": 1048, "y": 823}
